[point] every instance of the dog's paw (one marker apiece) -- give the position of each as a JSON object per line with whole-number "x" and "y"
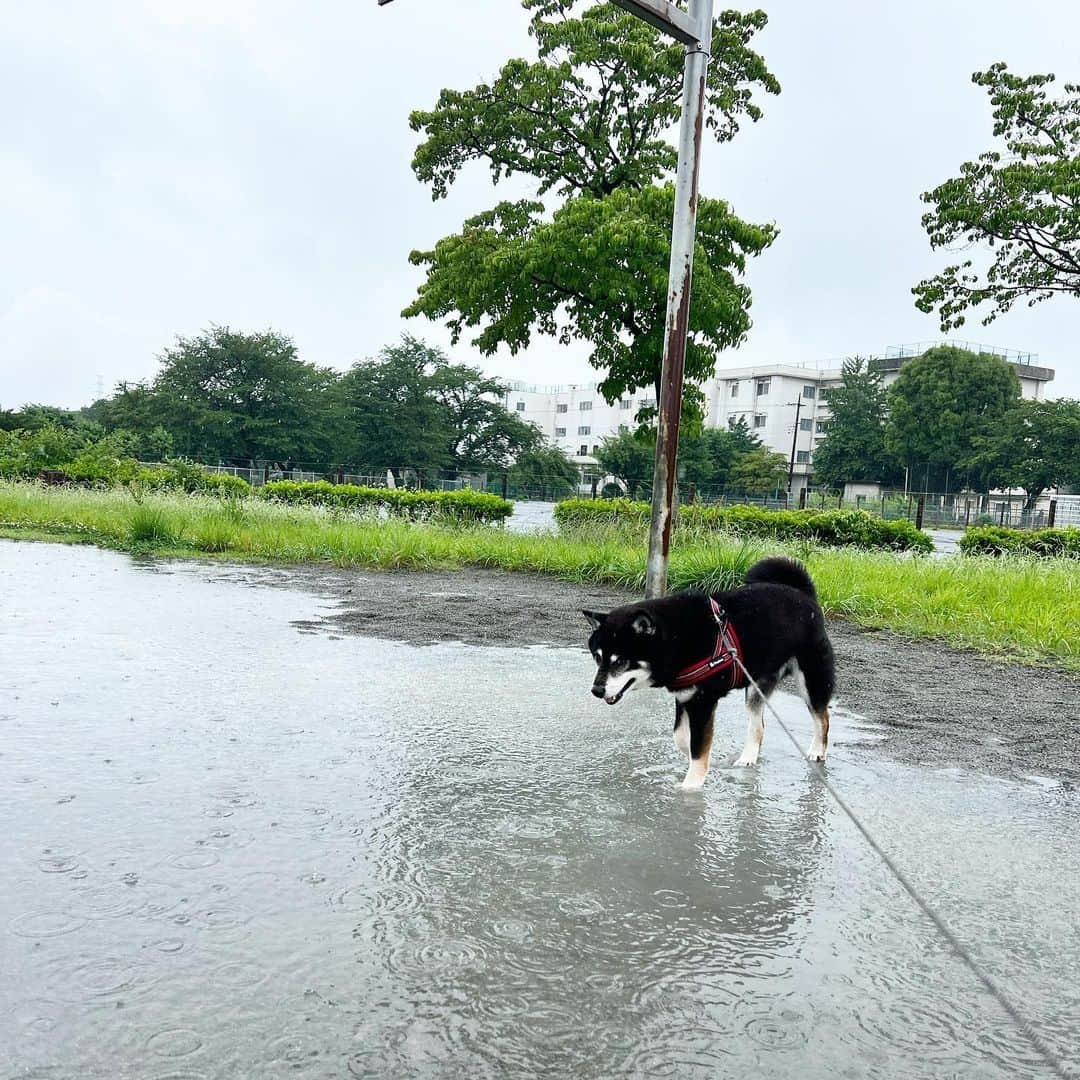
{"x": 816, "y": 753}
{"x": 694, "y": 784}
{"x": 747, "y": 760}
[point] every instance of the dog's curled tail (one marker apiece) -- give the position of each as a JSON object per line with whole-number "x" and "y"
{"x": 779, "y": 570}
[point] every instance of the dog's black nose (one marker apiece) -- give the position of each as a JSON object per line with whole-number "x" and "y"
{"x": 597, "y": 691}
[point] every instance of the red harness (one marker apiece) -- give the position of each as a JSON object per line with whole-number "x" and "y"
{"x": 722, "y": 658}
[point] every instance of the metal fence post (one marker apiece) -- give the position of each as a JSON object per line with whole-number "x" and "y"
{"x": 802, "y": 498}
{"x": 505, "y": 483}
{"x": 1052, "y": 516}
{"x": 919, "y": 507}
{"x": 967, "y": 512}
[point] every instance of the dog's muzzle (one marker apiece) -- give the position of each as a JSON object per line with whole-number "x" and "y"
{"x": 600, "y": 691}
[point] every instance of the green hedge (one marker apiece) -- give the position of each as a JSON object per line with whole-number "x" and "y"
{"x": 833, "y": 527}
{"x": 460, "y": 506}
{"x": 1045, "y": 543}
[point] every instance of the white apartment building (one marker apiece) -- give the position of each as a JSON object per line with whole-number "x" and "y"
{"x": 772, "y": 398}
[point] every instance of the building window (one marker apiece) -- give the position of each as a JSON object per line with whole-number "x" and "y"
{"x": 822, "y": 425}
{"x": 809, "y": 391}
{"x": 646, "y": 403}
{"x": 806, "y": 425}
{"x": 521, "y": 406}
{"x": 759, "y": 420}
{"x": 583, "y": 450}
{"x": 584, "y": 430}
{"x": 595, "y": 447}
{"x": 560, "y": 433}
{"x": 623, "y": 429}
{"x": 625, "y": 403}
{"x": 824, "y": 395}
{"x": 584, "y": 406}
{"x": 733, "y": 388}
{"x": 803, "y": 457}
{"x": 561, "y": 408}
{"x": 763, "y": 386}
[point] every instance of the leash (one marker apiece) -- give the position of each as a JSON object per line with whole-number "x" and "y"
{"x": 1045, "y": 1052}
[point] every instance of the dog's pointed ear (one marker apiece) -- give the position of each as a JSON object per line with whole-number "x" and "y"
{"x": 595, "y": 617}
{"x": 644, "y": 623}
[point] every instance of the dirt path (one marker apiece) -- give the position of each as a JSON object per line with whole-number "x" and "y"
{"x": 945, "y": 707}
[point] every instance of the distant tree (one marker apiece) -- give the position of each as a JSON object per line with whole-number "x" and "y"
{"x": 392, "y": 417}
{"x": 943, "y": 403}
{"x": 853, "y": 447}
{"x": 759, "y": 472}
{"x": 545, "y": 472}
{"x": 709, "y": 458}
{"x": 588, "y": 120}
{"x": 629, "y": 457}
{"x": 1024, "y": 203}
{"x": 229, "y": 395}
{"x": 745, "y": 439}
{"x": 1035, "y": 446}
{"x": 483, "y": 433}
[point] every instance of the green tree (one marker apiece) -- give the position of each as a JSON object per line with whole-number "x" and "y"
{"x": 545, "y": 472}
{"x": 587, "y": 121}
{"x": 1024, "y": 203}
{"x": 943, "y": 403}
{"x": 234, "y": 396}
{"x": 759, "y": 472}
{"x": 853, "y": 447}
{"x": 391, "y": 415}
{"x": 483, "y": 433}
{"x": 1035, "y": 446}
{"x": 708, "y": 459}
{"x": 629, "y": 457}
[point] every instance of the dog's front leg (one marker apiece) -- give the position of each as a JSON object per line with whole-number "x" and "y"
{"x": 755, "y": 732}
{"x": 681, "y": 734}
{"x": 701, "y": 735}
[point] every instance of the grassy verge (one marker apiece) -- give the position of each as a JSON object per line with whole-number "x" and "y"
{"x": 1020, "y": 607}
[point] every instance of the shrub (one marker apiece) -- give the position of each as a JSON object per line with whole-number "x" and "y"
{"x": 1042, "y": 543}
{"x": 464, "y": 506}
{"x": 834, "y": 527}
{"x": 151, "y": 525}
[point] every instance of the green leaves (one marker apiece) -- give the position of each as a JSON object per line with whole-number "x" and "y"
{"x": 589, "y": 120}
{"x": 597, "y": 271}
{"x": 853, "y": 448}
{"x": 591, "y": 114}
{"x": 943, "y": 401}
{"x": 1024, "y": 204}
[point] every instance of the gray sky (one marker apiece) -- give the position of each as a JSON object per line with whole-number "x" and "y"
{"x": 164, "y": 166}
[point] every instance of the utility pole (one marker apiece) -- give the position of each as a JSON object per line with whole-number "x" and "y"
{"x": 794, "y": 441}
{"x": 692, "y": 28}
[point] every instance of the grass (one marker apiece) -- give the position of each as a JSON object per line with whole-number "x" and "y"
{"x": 1025, "y": 608}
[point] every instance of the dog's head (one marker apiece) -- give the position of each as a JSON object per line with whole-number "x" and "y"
{"x": 622, "y": 643}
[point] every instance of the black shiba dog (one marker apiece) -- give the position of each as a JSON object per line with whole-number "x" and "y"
{"x": 687, "y": 644}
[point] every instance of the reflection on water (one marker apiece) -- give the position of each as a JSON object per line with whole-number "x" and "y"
{"x": 231, "y": 850}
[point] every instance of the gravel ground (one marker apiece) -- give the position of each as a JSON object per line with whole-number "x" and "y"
{"x": 944, "y": 707}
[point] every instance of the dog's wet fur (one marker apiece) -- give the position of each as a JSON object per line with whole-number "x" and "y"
{"x": 780, "y": 627}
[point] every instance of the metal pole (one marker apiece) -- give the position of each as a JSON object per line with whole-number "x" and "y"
{"x": 794, "y": 443}
{"x": 683, "y": 232}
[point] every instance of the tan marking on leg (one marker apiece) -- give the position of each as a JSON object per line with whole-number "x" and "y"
{"x": 819, "y": 748}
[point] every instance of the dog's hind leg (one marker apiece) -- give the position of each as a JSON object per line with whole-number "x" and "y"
{"x": 700, "y": 715}
{"x": 816, "y": 684}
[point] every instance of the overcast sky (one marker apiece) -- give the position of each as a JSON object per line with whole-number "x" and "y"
{"x": 164, "y": 166}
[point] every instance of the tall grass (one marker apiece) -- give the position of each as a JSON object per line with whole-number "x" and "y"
{"x": 1022, "y": 607}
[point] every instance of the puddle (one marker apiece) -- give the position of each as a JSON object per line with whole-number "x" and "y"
{"x": 232, "y": 849}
